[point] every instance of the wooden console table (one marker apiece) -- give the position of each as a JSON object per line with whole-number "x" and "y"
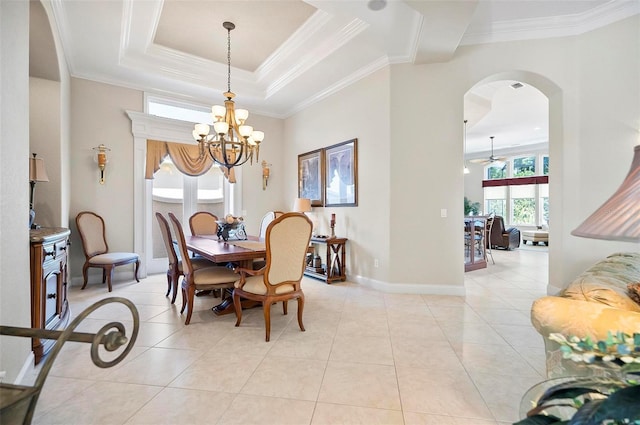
{"x": 334, "y": 267}
{"x": 49, "y": 305}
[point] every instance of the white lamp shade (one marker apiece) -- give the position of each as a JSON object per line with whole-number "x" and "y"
{"x": 245, "y": 130}
{"x": 258, "y": 136}
{"x": 221, "y": 127}
{"x": 242, "y": 114}
{"x": 218, "y": 112}
{"x": 619, "y": 217}
{"x": 202, "y": 129}
{"x": 196, "y": 135}
{"x": 302, "y": 205}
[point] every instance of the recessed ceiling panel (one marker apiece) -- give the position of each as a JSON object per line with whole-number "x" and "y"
{"x": 195, "y": 27}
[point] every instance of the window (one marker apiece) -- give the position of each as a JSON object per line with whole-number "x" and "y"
{"x": 495, "y": 200}
{"x": 523, "y": 204}
{"x": 524, "y": 166}
{"x": 519, "y": 192}
{"x": 498, "y": 171}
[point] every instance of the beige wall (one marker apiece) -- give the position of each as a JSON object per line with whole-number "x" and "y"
{"x": 98, "y": 116}
{"x": 428, "y": 101}
{"x": 359, "y": 111}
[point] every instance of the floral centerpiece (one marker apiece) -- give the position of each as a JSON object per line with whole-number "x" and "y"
{"x": 231, "y": 228}
{"x": 613, "y": 400}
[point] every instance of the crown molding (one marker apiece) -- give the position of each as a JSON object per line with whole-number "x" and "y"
{"x": 361, "y": 73}
{"x": 317, "y": 54}
{"x": 557, "y": 26}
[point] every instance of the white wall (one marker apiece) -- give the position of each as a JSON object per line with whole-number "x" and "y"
{"x": 360, "y": 111}
{"x": 15, "y": 303}
{"x": 594, "y": 108}
{"x": 574, "y": 73}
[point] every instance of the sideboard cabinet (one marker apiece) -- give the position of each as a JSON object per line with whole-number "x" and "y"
{"x": 49, "y": 305}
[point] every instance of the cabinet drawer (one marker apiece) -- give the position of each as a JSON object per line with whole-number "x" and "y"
{"x": 55, "y": 251}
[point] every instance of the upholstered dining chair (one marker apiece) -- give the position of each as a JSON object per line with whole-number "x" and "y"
{"x": 287, "y": 241}
{"x": 96, "y": 251}
{"x": 206, "y": 278}
{"x": 266, "y": 219}
{"x": 175, "y": 269}
{"x": 203, "y": 223}
{"x": 264, "y": 223}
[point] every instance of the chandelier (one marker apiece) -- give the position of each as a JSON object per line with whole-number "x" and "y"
{"x": 232, "y": 142}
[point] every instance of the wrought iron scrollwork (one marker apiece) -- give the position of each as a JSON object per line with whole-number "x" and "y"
{"x": 18, "y": 402}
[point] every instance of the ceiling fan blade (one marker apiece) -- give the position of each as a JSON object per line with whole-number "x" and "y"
{"x": 480, "y": 161}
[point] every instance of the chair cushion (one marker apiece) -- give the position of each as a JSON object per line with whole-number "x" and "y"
{"x": 255, "y": 285}
{"x": 113, "y": 257}
{"x": 198, "y": 263}
{"x": 214, "y": 275}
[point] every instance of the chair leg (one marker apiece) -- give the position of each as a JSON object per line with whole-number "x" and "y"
{"x": 174, "y": 287}
{"x": 300, "y": 308}
{"x": 104, "y": 275}
{"x": 169, "y": 280}
{"x": 184, "y": 300}
{"x": 84, "y": 275}
{"x": 109, "y": 277}
{"x": 136, "y": 272}
{"x": 238, "y": 308}
{"x": 266, "y": 308}
{"x": 284, "y": 307}
{"x": 191, "y": 291}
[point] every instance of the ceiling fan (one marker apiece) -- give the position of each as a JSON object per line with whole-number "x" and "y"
{"x": 491, "y": 158}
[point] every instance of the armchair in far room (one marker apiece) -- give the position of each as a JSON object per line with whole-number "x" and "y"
{"x": 504, "y": 238}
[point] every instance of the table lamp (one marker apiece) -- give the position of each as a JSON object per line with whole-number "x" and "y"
{"x": 618, "y": 219}
{"x": 37, "y": 173}
{"x": 302, "y": 205}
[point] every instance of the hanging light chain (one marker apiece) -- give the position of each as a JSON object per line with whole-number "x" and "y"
{"x": 229, "y": 58}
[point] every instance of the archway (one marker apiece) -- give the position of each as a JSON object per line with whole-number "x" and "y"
{"x": 553, "y": 146}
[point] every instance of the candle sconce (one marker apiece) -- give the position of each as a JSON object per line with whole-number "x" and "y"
{"x": 266, "y": 171}
{"x": 101, "y": 158}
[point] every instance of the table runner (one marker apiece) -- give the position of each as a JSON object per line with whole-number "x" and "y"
{"x": 252, "y": 245}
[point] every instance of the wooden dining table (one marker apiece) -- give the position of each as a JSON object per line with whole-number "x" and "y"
{"x": 240, "y": 252}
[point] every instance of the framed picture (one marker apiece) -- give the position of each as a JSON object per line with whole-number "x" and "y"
{"x": 310, "y": 176}
{"x": 341, "y": 174}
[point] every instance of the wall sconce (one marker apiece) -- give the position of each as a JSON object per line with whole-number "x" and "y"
{"x": 266, "y": 170}
{"x": 101, "y": 158}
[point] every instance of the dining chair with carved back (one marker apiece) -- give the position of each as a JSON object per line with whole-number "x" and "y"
{"x": 206, "y": 278}
{"x": 92, "y": 231}
{"x": 203, "y": 223}
{"x": 287, "y": 242}
{"x": 175, "y": 269}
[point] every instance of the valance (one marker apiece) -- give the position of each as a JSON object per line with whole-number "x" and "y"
{"x": 185, "y": 157}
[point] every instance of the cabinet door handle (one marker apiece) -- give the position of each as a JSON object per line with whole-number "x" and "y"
{"x": 63, "y": 248}
{"x": 51, "y": 296}
{"x": 50, "y": 253}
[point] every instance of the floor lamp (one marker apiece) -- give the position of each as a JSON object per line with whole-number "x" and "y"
{"x": 618, "y": 219}
{"x": 37, "y": 173}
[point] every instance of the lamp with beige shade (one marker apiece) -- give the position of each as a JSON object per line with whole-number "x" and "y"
{"x": 37, "y": 173}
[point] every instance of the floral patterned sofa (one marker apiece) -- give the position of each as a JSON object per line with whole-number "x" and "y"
{"x": 593, "y": 304}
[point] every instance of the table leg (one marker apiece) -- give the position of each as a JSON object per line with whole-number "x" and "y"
{"x": 226, "y": 306}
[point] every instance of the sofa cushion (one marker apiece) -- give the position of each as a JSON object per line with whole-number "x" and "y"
{"x": 633, "y": 290}
{"x": 606, "y": 282}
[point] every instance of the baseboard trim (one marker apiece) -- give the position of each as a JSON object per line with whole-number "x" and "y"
{"x": 28, "y": 366}
{"x": 94, "y": 278}
{"x": 409, "y": 288}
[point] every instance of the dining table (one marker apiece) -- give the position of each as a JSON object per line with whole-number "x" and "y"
{"x": 239, "y": 252}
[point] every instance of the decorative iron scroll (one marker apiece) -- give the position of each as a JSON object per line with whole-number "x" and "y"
{"x": 18, "y": 402}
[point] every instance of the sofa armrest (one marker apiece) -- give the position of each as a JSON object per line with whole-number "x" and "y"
{"x": 567, "y": 316}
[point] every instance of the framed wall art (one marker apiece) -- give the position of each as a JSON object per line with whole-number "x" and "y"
{"x": 341, "y": 174}
{"x": 310, "y": 176}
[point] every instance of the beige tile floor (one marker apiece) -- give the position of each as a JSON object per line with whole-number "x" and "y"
{"x": 366, "y": 358}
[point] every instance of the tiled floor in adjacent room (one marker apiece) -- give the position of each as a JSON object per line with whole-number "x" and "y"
{"x": 366, "y": 357}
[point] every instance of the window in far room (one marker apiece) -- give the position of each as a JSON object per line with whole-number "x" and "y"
{"x": 524, "y": 166}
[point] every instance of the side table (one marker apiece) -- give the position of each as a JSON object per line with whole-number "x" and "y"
{"x": 334, "y": 267}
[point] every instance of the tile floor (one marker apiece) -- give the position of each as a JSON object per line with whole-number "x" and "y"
{"x": 366, "y": 357}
